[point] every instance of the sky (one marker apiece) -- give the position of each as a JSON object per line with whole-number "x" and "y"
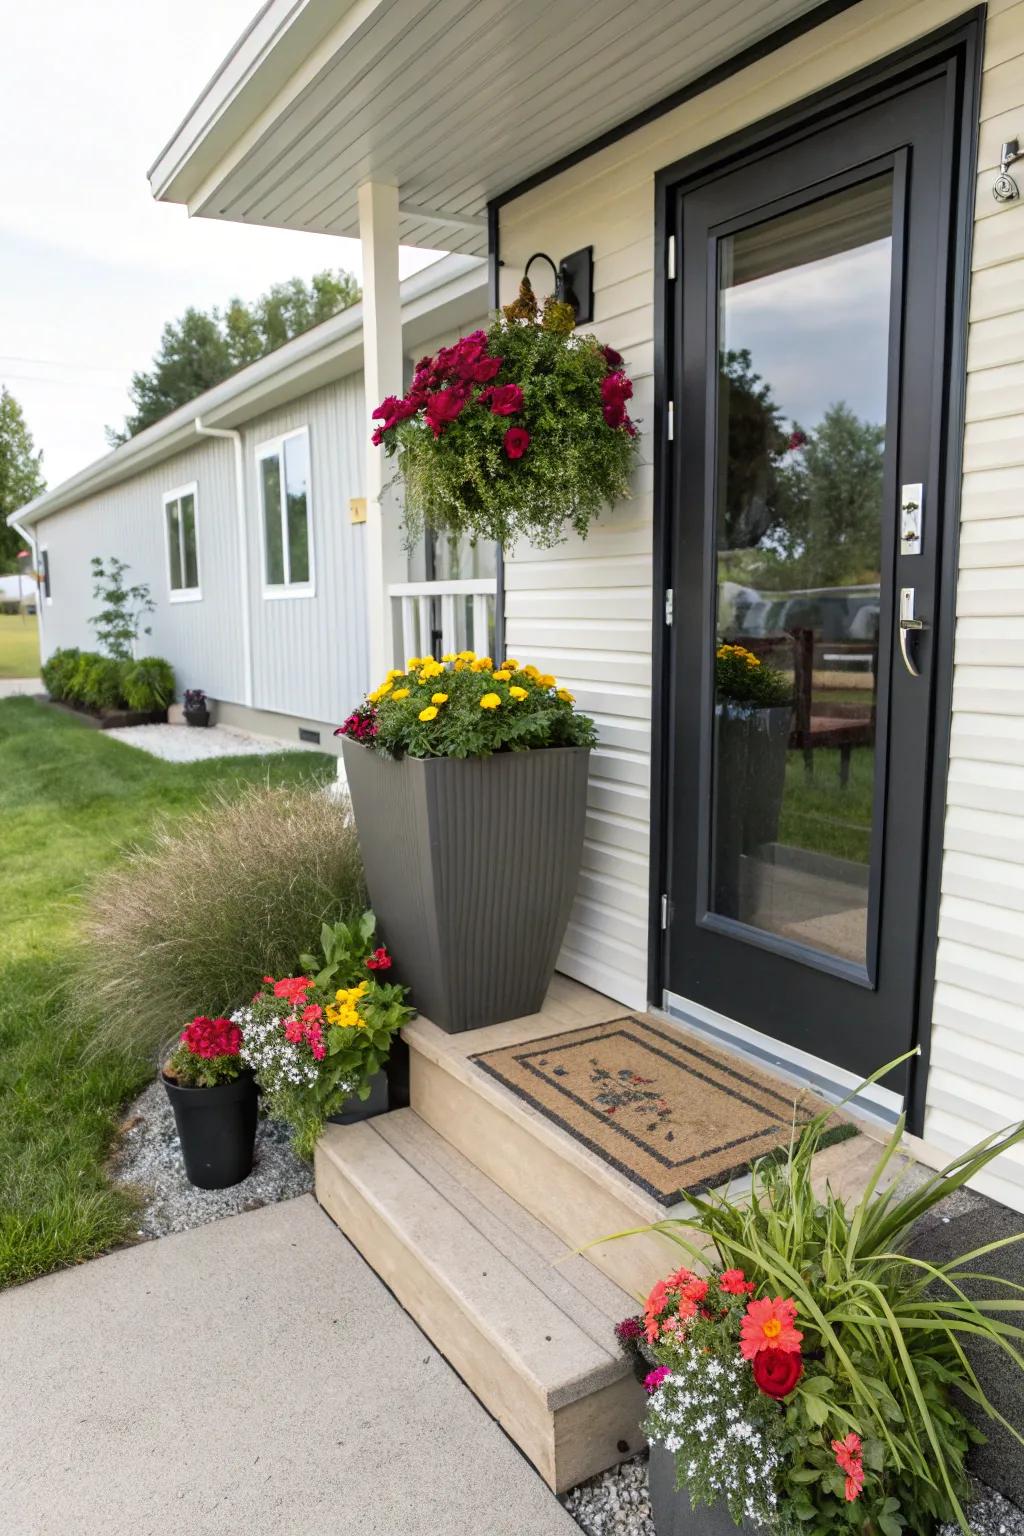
{"x": 91, "y": 266}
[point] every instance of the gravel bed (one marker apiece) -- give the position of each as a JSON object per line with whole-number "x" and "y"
{"x": 616, "y": 1504}
{"x": 148, "y": 1157}
{"x": 190, "y": 744}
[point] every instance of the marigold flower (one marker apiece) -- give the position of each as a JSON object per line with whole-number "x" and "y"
{"x": 502, "y": 676}
{"x": 517, "y": 693}
{"x": 400, "y": 693}
{"x": 510, "y": 664}
{"x": 546, "y": 680}
{"x": 394, "y": 672}
{"x": 482, "y": 664}
{"x": 439, "y": 698}
{"x": 467, "y": 656}
{"x": 490, "y": 701}
{"x": 448, "y": 656}
{"x": 565, "y": 696}
{"x": 430, "y": 713}
{"x": 769, "y": 1324}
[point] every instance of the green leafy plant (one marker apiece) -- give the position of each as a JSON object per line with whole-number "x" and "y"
{"x": 228, "y": 893}
{"x": 119, "y": 621}
{"x": 743, "y": 678}
{"x": 58, "y": 671}
{"x": 345, "y": 948}
{"x": 512, "y": 433}
{"x": 148, "y": 684}
{"x": 464, "y": 706}
{"x": 103, "y": 683}
{"x": 872, "y": 1434}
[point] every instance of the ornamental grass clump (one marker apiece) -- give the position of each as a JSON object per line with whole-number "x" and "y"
{"x": 513, "y": 432}
{"x": 818, "y": 1338}
{"x": 465, "y": 706}
{"x": 224, "y": 896}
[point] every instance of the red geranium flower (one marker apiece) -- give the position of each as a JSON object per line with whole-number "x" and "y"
{"x": 380, "y": 960}
{"x": 848, "y": 1459}
{"x": 506, "y": 399}
{"x": 517, "y": 440}
{"x": 733, "y": 1282}
{"x": 777, "y": 1372}
{"x": 212, "y": 1037}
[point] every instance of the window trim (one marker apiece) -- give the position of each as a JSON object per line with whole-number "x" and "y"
{"x": 182, "y": 594}
{"x": 274, "y": 447}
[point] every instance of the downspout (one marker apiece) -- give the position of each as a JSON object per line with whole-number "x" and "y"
{"x": 30, "y": 539}
{"x": 243, "y": 549}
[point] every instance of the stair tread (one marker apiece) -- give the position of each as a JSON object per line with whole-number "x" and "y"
{"x": 567, "y": 1278}
{"x": 498, "y": 1276}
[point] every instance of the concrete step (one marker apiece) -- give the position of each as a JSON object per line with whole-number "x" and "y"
{"x": 526, "y": 1324}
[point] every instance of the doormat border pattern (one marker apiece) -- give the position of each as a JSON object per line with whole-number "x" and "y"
{"x": 842, "y": 1131}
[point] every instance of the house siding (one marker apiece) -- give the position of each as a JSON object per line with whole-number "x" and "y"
{"x": 202, "y": 640}
{"x": 585, "y": 607}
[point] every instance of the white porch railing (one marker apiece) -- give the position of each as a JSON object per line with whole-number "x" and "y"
{"x": 435, "y": 617}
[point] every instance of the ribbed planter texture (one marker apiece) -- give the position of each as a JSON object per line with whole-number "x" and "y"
{"x": 750, "y": 781}
{"x": 217, "y": 1129}
{"x": 471, "y": 866}
{"x": 364, "y": 1109}
{"x": 673, "y": 1513}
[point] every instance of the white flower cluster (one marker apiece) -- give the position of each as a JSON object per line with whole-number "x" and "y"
{"x": 277, "y": 1062}
{"x": 723, "y": 1433}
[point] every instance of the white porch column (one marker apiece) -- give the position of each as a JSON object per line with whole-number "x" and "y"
{"x": 382, "y": 375}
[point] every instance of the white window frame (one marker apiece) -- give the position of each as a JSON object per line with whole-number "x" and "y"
{"x": 274, "y": 447}
{"x": 182, "y": 594}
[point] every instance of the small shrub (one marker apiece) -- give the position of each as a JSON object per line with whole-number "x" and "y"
{"x": 57, "y": 671}
{"x": 119, "y": 621}
{"x": 80, "y": 675}
{"x": 192, "y": 923}
{"x": 103, "y": 683}
{"x": 149, "y": 683}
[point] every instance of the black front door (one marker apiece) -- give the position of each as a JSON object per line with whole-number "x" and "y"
{"x": 809, "y": 346}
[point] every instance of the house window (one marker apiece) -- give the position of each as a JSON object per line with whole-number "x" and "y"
{"x": 283, "y": 474}
{"x": 182, "y": 544}
{"x": 44, "y": 561}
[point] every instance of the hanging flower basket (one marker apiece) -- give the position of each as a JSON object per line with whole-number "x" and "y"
{"x": 513, "y": 432}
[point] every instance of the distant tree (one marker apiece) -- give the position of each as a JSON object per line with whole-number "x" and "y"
{"x": 203, "y": 347}
{"x": 753, "y": 444}
{"x": 21, "y": 475}
{"x": 831, "y": 490}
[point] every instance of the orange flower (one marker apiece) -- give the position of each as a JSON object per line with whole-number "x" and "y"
{"x": 848, "y": 1458}
{"x": 768, "y": 1324}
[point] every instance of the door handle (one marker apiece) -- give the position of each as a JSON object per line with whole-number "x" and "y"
{"x": 908, "y": 625}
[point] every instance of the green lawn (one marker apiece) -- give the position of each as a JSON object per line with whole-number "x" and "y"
{"x": 820, "y": 815}
{"x": 19, "y": 645}
{"x": 70, "y": 798}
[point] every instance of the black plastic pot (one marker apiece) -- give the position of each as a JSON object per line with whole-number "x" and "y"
{"x": 197, "y": 717}
{"x": 217, "y": 1129}
{"x": 673, "y": 1513}
{"x": 365, "y": 1109}
{"x": 472, "y": 867}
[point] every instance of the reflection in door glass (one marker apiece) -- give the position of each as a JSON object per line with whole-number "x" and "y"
{"x": 803, "y": 363}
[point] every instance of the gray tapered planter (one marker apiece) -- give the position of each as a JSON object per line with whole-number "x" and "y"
{"x": 471, "y": 866}
{"x": 673, "y": 1513}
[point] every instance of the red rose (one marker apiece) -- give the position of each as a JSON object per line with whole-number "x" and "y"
{"x": 777, "y": 1371}
{"x": 506, "y": 400}
{"x": 517, "y": 440}
{"x": 443, "y": 408}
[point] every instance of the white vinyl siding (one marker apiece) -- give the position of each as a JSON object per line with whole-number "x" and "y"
{"x": 583, "y": 610}
{"x": 182, "y": 535}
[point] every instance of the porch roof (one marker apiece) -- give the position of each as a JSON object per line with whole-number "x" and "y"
{"x": 452, "y": 101}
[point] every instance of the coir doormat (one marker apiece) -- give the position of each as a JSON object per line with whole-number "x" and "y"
{"x": 671, "y": 1113}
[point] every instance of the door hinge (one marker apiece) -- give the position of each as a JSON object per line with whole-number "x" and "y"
{"x": 669, "y": 599}
{"x": 666, "y": 912}
{"x": 671, "y": 421}
{"x": 670, "y": 263}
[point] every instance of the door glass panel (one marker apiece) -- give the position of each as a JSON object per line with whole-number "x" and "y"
{"x": 803, "y": 310}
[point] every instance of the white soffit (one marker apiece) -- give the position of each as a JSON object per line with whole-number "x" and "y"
{"x": 452, "y": 101}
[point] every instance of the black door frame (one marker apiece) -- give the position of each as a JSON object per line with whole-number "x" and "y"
{"x": 961, "y": 41}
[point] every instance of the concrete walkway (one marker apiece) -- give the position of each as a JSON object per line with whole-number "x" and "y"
{"x": 13, "y": 687}
{"x": 249, "y": 1378}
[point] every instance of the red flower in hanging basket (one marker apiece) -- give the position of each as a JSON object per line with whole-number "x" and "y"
{"x": 517, "y": 440}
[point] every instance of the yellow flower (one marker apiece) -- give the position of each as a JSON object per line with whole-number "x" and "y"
{"x": 458, "y": 665}
{"x": 546, "y": 680}
{"x": 502, "y": 676}
{"x": 565, "y": 696}
{"x": 400, "y": 693}
{"x": 517, "y": 693}
{"x": 385, "y": 687}
{"x": 439, "y": 698}
{"x": 467, "y": 655}
{"x": 395, "y": 672}
{"x": 531, "y": 670}
{"x": 448, "y": 656}
{"x": 414, "y": 662}
{"x": 482, "y": 664}
{"x": 430, "y": 713}
{"x": 510, "y": 664}
{"x": 490, "y": 701}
